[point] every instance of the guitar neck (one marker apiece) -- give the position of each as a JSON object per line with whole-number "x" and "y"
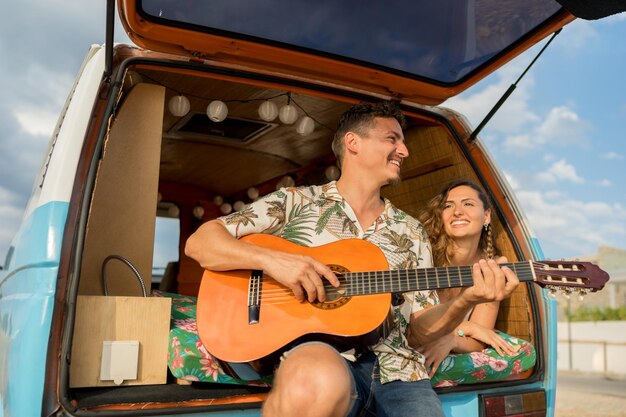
{"x": 421, "y": 279}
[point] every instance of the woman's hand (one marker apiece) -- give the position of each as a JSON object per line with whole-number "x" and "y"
{"x": 491, "y": 338}
{"x": 436, "y": 351}
{"x": 491, "y": 283}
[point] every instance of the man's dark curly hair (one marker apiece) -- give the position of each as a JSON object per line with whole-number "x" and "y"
{"x": 359, "y": 119}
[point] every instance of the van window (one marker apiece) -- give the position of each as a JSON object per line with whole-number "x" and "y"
{"x": 166, "y": 241}
{"x": 439, "y": 40}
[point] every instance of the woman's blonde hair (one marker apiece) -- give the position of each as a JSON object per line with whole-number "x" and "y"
{"x": 440, "y": 242}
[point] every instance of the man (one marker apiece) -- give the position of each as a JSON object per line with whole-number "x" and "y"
{"x": 314, "y": 379}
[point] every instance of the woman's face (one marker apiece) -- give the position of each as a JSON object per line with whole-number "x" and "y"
{"x": 463, "y": 214}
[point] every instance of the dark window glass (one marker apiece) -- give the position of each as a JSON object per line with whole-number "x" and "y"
{"x": 442, "y": 40}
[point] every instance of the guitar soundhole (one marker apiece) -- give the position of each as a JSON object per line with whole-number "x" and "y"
{"x": 334, "y": 296}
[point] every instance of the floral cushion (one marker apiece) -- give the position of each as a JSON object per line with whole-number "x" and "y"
{"x": 188, "y": 359}
{"x": 484, "y": 366}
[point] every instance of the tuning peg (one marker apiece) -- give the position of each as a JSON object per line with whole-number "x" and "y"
{"x": 582, "y": 292}
{"x": 567, "y": 292}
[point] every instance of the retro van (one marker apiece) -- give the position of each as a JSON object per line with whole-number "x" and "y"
{"x": 220, "y": 102}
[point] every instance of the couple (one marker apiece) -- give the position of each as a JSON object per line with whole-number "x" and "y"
{"x": 392, "y": 378}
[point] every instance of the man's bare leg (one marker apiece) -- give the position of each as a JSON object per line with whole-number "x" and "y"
{"x": 313, "y": 381}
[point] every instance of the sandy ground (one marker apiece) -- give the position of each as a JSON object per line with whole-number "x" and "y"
{"x": 571, "y": 403}
{"x": 590, "y": 396}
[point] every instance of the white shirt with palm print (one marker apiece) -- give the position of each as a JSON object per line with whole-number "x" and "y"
{"x": 317, "y": 215}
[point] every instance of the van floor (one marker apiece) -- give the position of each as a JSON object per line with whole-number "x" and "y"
{"x": 95, "y": 397}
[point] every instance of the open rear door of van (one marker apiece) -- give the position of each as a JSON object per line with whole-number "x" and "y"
{"x": 418, "y": 51}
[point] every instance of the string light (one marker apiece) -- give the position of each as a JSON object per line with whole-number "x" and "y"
{"x": 253, "y": 193}
{"x": 198, "y": 212}
{"x": 305, "y": 126}
{"x": 288, "y": 114}
{"x": 268, "y": 111}
{"x": 173, "y": 211}
{"x": 217, "y": 111}
{"x": 226, "y": 208}
{"x": 179, "y": 105}
{"x": 286, "y": 181}
{"x": 332, "y": 172}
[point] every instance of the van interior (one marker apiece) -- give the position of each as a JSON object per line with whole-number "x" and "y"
{"x": 161, "y": 166}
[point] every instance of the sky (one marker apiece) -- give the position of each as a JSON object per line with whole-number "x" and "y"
{"x": 559, "y": 138}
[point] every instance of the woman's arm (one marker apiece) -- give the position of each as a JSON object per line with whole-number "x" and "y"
{"x": 491, "y": 283}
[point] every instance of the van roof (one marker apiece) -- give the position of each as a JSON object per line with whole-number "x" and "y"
{"x": 420, "y": 51}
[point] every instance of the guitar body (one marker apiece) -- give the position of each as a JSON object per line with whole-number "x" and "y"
{"x": 223, "y": 315}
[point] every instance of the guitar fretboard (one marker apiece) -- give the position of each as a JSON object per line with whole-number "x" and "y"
{"x": 420, "y": 279}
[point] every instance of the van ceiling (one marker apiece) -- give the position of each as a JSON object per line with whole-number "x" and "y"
{"x": 230, "y": 156}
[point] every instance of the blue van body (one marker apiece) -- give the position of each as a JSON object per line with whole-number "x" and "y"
{"x": 41, "y": 277}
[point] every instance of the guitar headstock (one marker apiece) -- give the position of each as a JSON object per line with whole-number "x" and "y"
{"x": 570, "y": 276}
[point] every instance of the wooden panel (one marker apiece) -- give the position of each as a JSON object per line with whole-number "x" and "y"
{"x": 514, "y": 317}
{"x": 101, "y": 319}
{"x": 122, "y": 213}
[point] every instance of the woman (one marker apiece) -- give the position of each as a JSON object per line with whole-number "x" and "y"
{"x": 458, "y": 222}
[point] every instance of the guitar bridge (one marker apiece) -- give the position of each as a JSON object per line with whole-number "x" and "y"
{"x": 254, "y": 296}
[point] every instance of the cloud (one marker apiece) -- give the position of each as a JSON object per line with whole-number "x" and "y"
{"x": 568, "y": 228}
{"x": 560, "y": 170}
{"x": 516, "y": 127}
{"x": 512, "y": 181}
{"x": 37, "y": 121}
{"x": 514, "y": 114}
{"x": 605, "y": 183}
{"x": 612, "y": 156}
{"x": 11, "y": 209}
{"x": 563, "y": 125}
{"x": 578, "y": 34}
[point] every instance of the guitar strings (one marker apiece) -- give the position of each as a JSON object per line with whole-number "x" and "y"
{"x": 361, "y": 283}
{"x": 409, "y": 282}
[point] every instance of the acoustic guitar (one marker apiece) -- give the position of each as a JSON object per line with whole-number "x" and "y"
{"x": 244, "y": 316}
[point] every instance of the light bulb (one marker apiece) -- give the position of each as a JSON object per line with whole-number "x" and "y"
{"x": 332, "y": 173}
{"x": 218, "y": 200}
{"x": 238, "y": 205}
{"x": 179, "y": 105}
{"x": 173, "y": 211}
{"x": 198, "y": 212}
{"x": 226, "y": 208}
{"x": 288, "y": 181}
{"x": 305, "y": 126}
{"x": 288, "y": 114}
{"x": 268, "y": 111}
{"x": 253, "y": 193}
{"x": 217, "y": 111}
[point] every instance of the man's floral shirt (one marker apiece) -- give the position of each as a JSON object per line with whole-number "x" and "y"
{"x": 317, "y": 215}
